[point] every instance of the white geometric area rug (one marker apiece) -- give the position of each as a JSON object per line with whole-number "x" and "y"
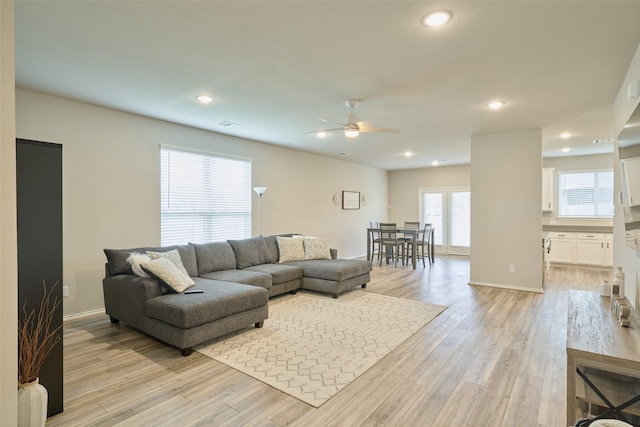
{"x": 312, "y": 346}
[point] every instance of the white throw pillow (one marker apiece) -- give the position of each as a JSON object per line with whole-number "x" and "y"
{"x": 315, "y": 248}
{"x": 290, "y": 248}
{"x": 137, "y": 258}
{"x": 173, "y": 256}
{"x": 167, "y": 272}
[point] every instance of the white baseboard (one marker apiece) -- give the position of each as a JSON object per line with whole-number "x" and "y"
{"x": 515, "y": 288}
{"x": 84, "y": 314}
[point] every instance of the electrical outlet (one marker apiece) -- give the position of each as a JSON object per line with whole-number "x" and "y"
{"x": 65, "y": 291}
{"x": 512, "y": 268}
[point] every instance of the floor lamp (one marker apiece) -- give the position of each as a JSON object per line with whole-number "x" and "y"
{"x": 260, "y": 191}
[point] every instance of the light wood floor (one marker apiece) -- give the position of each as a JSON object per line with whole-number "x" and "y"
{"x": 495, "y": 357}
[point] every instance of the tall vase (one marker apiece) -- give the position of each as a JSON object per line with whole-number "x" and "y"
{"x": 32, "y": 404}
{"x": 618, "y": 279}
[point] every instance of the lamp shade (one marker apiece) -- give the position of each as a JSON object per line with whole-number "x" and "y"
{"x": 260, "y": 190}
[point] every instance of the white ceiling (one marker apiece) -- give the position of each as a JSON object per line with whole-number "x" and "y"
{"x": 276, "y": 67}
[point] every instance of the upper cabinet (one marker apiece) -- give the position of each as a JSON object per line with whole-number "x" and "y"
{"x": 547, "y": 189}
{"x": 631, "y": 173}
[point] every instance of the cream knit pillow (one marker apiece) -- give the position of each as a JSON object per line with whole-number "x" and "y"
{"x": 315, "y": 248}
{"x": 290, "y": 248}
{"x": 167, "y": 272}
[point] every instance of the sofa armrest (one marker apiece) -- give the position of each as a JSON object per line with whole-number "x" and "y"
{"x": 334, "y": 253}
{"x": 125, "y": 297}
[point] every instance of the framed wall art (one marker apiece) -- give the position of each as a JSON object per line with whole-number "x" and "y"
{"x": 350, "y": 200}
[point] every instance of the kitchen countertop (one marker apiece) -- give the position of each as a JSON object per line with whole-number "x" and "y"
{"x": 578, "y": 228}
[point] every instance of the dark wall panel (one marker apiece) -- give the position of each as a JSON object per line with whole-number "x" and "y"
{"x": 39, "y": 210}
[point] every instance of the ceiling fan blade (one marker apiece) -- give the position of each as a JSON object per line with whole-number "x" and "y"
{"x": 331, "y": 121}
{"x": 364, "y": 127}
{"x": 325, "y": 130}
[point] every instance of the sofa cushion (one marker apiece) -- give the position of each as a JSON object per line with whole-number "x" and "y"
{"x": 250, "y": 251}
{"x": 246, "y": 277}
{"x": 290, "y": 248}
{"x": 272, "y": 244}
{"x": 333, "y": 269}
{"x": 218, "y": 300}
{"x": 118, "y": 264}
{"x": 168, "y": 273}
{"x": 280, "y": 273}
{"x": 214, "y": 256}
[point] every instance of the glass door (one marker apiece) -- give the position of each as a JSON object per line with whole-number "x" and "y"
{"x": 449, "y": 210}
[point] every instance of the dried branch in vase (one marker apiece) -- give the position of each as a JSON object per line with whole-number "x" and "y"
{"x": 37, "y": 336}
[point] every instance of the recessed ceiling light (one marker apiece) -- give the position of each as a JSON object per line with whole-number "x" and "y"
{"x": 565, "y": 135}
{"x": 322, "y": 134}
{"x": 205, "y": 99}
{"x": 566, "y": 149}
{"x": 496, "y": 105}
{"x": 435, "y": 163}
{"x": 408, "y": 154}
{"x": 435, "y": 19}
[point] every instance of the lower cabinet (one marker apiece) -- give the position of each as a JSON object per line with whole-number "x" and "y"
{"x": 563, "y": 248}
{"x": 608, "y": 250}
{"x": 593, "y": 249}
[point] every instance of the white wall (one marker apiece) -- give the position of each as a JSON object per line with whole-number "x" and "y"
{"x": 506, "y": 218}
{"x": 404, "y": 188}
{"x": 8, "y": 237}
{"x": 623, "y": 256}
{"x": 111, "y": 185}
{"x": 574, "y": 163}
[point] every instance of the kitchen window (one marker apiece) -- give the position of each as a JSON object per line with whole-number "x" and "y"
{"x": 585, "y": 194}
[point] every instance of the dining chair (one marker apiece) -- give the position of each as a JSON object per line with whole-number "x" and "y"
{"x": 391, "y": 243}
{"x": 375, "y": 240}
{"x": 423, "y": 246}
{"x": 410, "y": 225}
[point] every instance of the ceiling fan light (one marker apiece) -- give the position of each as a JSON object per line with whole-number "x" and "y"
{"x": 204, "y": 99}
{"x": 351, "y": 133}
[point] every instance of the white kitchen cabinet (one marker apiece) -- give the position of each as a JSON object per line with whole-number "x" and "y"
{"x": 547, "y": 189}
{"x": 590, "y": 248}
{"x": 563, "y": 247}
{"x": 631, "y": 172}
{"x": 608, "y": 250}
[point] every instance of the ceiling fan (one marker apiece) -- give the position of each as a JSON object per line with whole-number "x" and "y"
{"x": 352, "y": 128}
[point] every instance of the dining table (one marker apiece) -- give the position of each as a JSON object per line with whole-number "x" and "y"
{"x": 414, "y": 234}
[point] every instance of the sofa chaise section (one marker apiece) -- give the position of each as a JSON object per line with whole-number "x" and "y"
{"x": 182, "y": 320}
{"x": 334, "y": 276}
{"x": 185, "y": 320}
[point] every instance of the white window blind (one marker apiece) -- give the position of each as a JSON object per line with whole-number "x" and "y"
{"x": 204, "y": 197}
{"x": 586, "y": 194}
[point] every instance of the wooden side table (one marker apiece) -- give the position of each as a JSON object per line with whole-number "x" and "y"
{"x": 608, "y": 353}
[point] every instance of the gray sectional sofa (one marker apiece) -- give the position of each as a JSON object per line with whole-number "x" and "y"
{"x": 236, "y": 277}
